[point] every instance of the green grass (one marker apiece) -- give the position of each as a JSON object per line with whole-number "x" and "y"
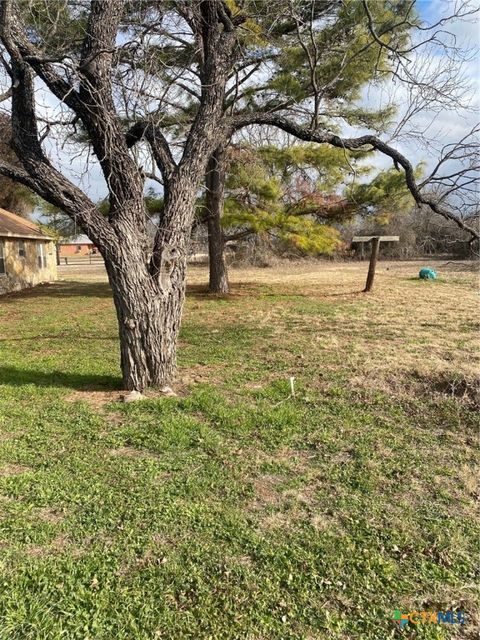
{"x": 235, "y": 510}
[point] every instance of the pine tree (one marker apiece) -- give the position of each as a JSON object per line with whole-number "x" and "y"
{"x": 300, "y": 194}
{"x": 301, "y": 57}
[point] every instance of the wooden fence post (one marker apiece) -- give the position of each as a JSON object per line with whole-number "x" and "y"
{"x": 373, "y": 264}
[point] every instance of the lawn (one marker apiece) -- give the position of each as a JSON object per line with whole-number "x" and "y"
{"x": 237, "y": 511}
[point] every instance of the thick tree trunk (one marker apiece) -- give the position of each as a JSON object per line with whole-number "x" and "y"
{"x": 215, "y": 181}
{"x": 148, "y": 292}
{"x": 147, "y": 325}
{"x": 149, "y": 295}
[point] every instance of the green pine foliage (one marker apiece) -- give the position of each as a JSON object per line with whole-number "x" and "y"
{"x": 281, "y": 192}
{"x": 343, "y": 53}
{"x": 153, "y": 204}
{"x": 382, "y": 196}
{"x": 56, "y": 27}
{"x": 56, "y": 222}
{"x": 298, "y": 194}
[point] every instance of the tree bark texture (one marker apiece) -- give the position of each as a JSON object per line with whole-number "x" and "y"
{"x": 149, "y": 296}
{"x": 215, "y": 182}
{"x": 148, "y": 328}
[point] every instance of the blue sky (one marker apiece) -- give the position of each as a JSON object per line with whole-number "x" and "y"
{"x": 428, "y": 9}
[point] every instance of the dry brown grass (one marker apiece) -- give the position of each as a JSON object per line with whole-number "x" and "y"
{"x": 131, "y": 452}
{"x": 405, "y": 326}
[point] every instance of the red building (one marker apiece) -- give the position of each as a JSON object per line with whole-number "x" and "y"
{"x": 77, "y": 247}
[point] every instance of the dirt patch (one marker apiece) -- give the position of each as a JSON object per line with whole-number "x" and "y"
{"x": 325, "y": 522}
{"x": 96, "y": 399}
{"x": 114, "y": 418}
{"x": 448, "y": 384}
{"x": 244, "y": 560}
{"x": 58, "y": 545}
{"x": 266, "y": 491}
{"x": 11, "y": 435}
{"x": 301, "y": 498}
{"x": 197, "y": 374}
{"x": 99, "y": 399}
{"x": 432, "y": 384}
{"x": 342, "y": 457}
{"x": 276, "y": 520}
{"x": 9, "y": 470}
{"x": 49, "y": 515}
{"x": 293, "y": 460}
{"x": 469, "y": 477}
{"x": 131, "y": 452}
{"x": 458, "y": 387}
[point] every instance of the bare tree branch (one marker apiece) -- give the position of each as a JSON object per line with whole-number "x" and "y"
{"x": 374, "y": 142}
{"x": 43, "y": 177}
{"x": 158, "y": 143}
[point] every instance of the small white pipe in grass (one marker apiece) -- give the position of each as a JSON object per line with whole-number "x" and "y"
{"x": 292, "y": 386}
{"x": 292, "y": 392}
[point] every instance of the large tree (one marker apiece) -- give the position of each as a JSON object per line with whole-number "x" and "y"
{"x": 91, "y": 82}
{"x": 287, "y": 55}
{"x": 312, "y": 60}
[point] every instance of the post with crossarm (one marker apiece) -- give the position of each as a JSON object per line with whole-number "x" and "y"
{"x": 373, "y": 264}
{"x": 375, "y": 240}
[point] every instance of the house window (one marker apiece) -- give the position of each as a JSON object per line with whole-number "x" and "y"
{"x": 41, "y": 255}
{"x": 2, "y": 259}
{"x": 21, "y": 249}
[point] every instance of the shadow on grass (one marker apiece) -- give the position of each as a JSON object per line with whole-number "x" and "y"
{"x": 64, "y": 289}
{"x": 357, "y": 292}
{"x": 14, "y": 377}
{"x": 62, "y": 336}
{"x": 76, "y": 289}
{"x": 429, "y": 281}
{"x": 199, "y": 290}
{"x": 450, "y": 386}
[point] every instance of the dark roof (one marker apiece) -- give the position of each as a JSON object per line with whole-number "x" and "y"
{"x": 14, "y": 226}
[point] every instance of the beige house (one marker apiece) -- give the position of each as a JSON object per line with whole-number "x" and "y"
{"x": 27, "y": 254}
